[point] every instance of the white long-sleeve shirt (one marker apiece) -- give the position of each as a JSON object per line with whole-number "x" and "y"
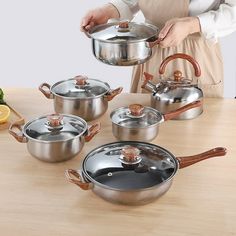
{"x": 217, "y": 18}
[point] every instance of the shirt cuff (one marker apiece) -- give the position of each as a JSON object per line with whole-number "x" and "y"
{"x": 208, "y": 28}
{"x": 123, "y": 9}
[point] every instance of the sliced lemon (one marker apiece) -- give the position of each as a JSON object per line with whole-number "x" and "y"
{"x": 4, "y": 113}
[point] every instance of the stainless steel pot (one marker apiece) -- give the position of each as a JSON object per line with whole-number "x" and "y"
{"x": 132, "y": 173}
{"x": 54, "y": 138}
{"x": 170, "y": 94}
{"x": 123, "y": 43}
{"x": 139, "y": 123}
{"x": 81, "y": 96}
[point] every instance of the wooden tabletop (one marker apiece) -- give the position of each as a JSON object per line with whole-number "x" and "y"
{"x": 36, "y": 199}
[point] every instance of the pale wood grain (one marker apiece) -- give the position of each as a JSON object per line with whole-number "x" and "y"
{"x": 36, "y": 199}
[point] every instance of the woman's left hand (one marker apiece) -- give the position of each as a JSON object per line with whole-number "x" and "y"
{"x": 177, "y": 29}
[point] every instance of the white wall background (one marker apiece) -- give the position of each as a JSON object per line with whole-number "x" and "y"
{"x": 40, "y": 41}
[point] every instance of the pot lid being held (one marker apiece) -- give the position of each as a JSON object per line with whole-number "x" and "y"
{"x": 80, "y": 87}
{"x": 129, "y": 165}
{"x": 123, "y": 31}
{"x": 55, "y": 127}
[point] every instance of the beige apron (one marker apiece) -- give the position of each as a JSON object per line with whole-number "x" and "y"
{"x": 207, "y": 54}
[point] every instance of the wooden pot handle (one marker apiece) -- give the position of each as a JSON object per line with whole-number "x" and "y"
{"x": 74, "y": 177}
{"x": 18, "y": 136}
{"x": 47, "y": 93}
{"x": 190, "y": 160}
{"x": 182, "y": 56}
{"x": 112, "y": 93}
{"x": 172, "y": 114}
{"x": 92, "y": 131}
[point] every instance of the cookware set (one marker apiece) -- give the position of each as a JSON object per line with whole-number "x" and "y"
{"x": 130, "y": 171}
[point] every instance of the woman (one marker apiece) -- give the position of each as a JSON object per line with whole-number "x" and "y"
{"x": 187, "y": 26}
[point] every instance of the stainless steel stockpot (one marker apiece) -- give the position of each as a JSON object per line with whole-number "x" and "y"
{"x": 123, "y": 43}
{"x": 132, "y": 173}
{"x": 139, "y": 123}
{"x": 54, "y": 138}
{"x": 81, "y": 96}
{"x": 171, "y": 93}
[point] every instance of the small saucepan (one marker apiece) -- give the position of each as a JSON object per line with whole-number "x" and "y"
{"x": 55, "y": 138}
{"x": 132, "y": 173}
{"x": 139, "y": 123}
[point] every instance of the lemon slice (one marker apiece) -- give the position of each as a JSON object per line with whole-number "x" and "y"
{"x": 4, "y": 113}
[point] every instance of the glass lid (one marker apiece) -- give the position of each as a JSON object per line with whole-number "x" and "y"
{"x": 129, "y": 165}
{"x": 123, "y": 31}
{"x": 80, "y": 87}
{"x": 136, "y": 116}
{"x": 55, "y": 128}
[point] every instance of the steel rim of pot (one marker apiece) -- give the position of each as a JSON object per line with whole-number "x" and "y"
{"x": 54, "y": 141}
{"x": 159, "y": 114}
{"x": 80, "y": 98}
{"x": 90, "y": 33}
{"x": 93, "y": 181}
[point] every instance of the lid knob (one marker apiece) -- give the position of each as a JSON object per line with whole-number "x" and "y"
{"x": 54, "y": 120}
{"x": 81, "y": 80}
{"x": 136, "y": 109}
{"x": 124, "y": 24}
{"x": 178, "y": 75}
{"x": 131, "y": 155}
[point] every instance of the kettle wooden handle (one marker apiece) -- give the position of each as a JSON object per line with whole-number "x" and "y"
{"x": 182, "y": 56}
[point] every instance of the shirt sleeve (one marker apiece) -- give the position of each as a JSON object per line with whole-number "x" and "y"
{"x": 126, "y": 8}
{"x": 219, "y": 23}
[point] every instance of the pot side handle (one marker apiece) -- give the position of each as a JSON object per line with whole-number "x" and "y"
{"x": 47, "y": 93}
{"x": 92, "y": 131}
{"x": 112, "y": 93}
{"x": 173, "y": 114}
{"x": 18, "y": 136}
{"x": 75, "y": 177}
{"x": 190, "y": 160}
{"x": 182, "y": 56}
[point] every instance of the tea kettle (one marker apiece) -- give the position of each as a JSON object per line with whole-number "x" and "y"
{"x": 170, "y": 94}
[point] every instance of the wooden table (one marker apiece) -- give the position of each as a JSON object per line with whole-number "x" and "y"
{"x": 36, "y": 199}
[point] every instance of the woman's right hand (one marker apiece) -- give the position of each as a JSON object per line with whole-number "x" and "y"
{"x": 98, "y": 16}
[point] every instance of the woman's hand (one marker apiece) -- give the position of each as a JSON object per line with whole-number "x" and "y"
{"x": 98, "y": 16}
{"x": 176, "y": 30}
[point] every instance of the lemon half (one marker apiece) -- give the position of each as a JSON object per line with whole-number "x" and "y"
{"x": 4, "y": 113}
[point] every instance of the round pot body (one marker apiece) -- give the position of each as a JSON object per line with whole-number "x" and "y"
{"x": 123, "y": 43}
{"x": 121, "y": 54}
{"x": 132, "y": 197}
{"x": 179, "y": 97}
{"x": 132, "y": 173}
{"x": 89, "y": 109}
{"x": 55, "y": 151}
{"x": 56, "y": 137}
{"x": 135, "y": 134}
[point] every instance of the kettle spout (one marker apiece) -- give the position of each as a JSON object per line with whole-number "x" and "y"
{"x": 147, "y": 84}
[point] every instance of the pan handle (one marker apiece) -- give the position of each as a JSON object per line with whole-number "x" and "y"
{"x": 75, "y": 177}
{"x": 18, "y": 136}
{"x": 190, "y": 160}
{"x": 173, "y": 114}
